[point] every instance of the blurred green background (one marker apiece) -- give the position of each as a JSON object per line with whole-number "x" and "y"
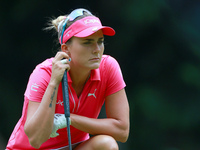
{"x": 157, "y": 44}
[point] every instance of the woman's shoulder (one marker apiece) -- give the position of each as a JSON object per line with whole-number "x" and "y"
{"x": 108, "y": 61}
{"x": 45, "y": 66}
{"x": 46, "y": 63}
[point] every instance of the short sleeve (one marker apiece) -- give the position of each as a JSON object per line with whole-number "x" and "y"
{"x": 38, "y": 82}
{"x": 115, "y": 81}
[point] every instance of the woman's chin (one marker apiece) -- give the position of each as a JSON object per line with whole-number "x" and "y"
{"x": 94, "y": 66}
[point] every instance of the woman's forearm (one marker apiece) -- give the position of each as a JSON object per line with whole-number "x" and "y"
{"x": 108, "y": 126}
{"x": 39, "y": 124}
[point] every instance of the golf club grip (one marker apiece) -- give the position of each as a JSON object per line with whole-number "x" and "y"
{"x": 65, "y": 95}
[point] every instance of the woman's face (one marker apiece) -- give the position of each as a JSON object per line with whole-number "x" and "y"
{"x": 87, "y": 52}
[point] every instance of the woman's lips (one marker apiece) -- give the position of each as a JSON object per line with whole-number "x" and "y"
{"x": 95, "y": 59}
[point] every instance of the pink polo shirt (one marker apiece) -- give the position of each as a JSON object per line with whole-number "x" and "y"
{"x": 104, "y": 81}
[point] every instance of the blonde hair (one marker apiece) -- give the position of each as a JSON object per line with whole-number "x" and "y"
{"x": 57, "y": 23}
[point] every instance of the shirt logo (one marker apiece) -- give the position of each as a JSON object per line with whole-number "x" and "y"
{"x": 34, "y": 87}
{"x": 60, "y": 103}
{"x": 92, "y": 94}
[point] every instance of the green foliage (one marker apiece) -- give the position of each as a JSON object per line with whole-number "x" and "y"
{"x": 156, "y": 43}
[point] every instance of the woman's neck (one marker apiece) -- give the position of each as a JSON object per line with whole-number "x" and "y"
{"x": 79, "y": 80}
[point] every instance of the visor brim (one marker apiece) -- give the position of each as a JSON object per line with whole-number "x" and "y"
{"x": 91, "y": 30}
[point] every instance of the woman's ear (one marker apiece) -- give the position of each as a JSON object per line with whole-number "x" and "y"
{"x": 65, "y": 48}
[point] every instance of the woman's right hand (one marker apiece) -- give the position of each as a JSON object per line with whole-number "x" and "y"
{"x": 59, "y": 67}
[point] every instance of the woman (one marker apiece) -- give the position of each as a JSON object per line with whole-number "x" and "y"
{"x": 93, "y": 78}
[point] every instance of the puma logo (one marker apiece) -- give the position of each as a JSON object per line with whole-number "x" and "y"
{"x": 92, "y": 94}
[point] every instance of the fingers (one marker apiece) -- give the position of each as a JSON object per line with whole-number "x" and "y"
{"x": 65, "y": 61}
{"x": 62, "y": 58}
{"x": 61, "y": 55}
{"x": 60, "y": 63}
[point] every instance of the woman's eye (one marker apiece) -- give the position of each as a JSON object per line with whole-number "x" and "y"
{"x": 101, "y": 42}
{"x": 86, "y": 43}
{"x": 90, "y": 42}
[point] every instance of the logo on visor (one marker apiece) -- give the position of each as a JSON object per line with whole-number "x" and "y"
{"x": 95, "y": 29}
{"x": 67, "y": 34}
{"x": 91, "y": 21}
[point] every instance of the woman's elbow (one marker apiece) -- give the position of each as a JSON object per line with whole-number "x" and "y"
{"x": 34, "y": 139}
{"x": 35, "y": 144}
{"x": 124, "y": 136}
{"x": 124, "y": 132}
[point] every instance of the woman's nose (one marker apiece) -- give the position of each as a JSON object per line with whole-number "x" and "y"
{"x": 97, "y": 47}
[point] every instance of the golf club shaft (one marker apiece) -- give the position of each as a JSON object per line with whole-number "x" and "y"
{"x": 66, "y": 106}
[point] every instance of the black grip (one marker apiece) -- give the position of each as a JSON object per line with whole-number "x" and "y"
{"x": 65, "y": 95}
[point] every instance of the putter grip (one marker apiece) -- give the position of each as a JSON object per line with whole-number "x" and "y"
{"x": 65, "y": 95}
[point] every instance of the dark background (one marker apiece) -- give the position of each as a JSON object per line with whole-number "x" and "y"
{"x": 157, "y": 44}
